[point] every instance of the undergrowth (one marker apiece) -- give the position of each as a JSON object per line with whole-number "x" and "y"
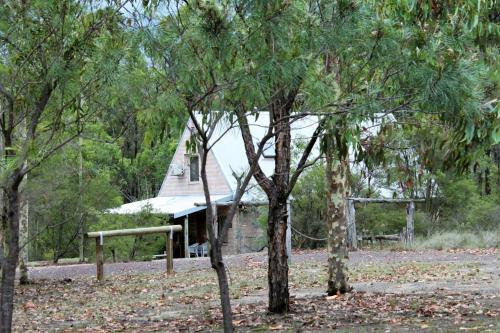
{"x": 460, "y": 239}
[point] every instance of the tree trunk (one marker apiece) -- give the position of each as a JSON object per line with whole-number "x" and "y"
{"x": 225, "y": 301}
{"x": 81, "y": 222}
{"x": 277, "y": 188}
{"x": 487, "y": 185}
{"x": 428, "y": 196}
{"x": 59, "y": 245}
{"x": 23, "y": 232}
{"x": 23, "y": 217}
{"x": 9, "y": 265}
{"x": 277, "y": 256}
{"x": 336, "y": 177}
{"x": 410, "y": 212}
{"x": 215, "y": 250}
{"x": 279, "y": 296}
{"x": 133, "y": 250}
{"x": 3, "y": 226}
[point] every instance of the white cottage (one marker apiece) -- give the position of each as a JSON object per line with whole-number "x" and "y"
{"x": 181, "y": 195}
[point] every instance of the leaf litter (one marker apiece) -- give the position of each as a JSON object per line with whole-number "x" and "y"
{"x": 188, "y": 301}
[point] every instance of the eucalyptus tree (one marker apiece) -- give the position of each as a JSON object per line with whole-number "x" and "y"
{"x": 53, "y": 52}
{"x": 242, "y": 57}
{"x": 188, "y": 51}
{"x": 409, "y": 59}
{"x": 278, "y": 69}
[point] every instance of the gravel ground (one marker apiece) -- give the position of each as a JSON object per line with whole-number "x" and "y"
{"x": 487, "y": 258}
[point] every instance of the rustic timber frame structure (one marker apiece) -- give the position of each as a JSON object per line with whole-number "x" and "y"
{"x": 352, "y": 238}
{"x": 168, "y": 230}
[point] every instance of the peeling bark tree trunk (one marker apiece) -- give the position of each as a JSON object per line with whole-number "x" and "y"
{"x": 23, "y": 231}
{"x": 336, "y": 178}
{"x": 23, "y": 216}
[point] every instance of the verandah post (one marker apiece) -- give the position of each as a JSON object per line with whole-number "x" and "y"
{"x": 186, "y": 236}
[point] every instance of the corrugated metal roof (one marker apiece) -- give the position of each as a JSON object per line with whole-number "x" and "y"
{"x": 230, "y": 153}
{"x": 175, "y": 206}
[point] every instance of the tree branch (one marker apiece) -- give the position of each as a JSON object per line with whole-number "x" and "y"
{"x": 305, "y": 155}
{"x": 266, "y": 184}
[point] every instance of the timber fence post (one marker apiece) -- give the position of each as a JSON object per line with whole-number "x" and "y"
{"x": 352, "y": 237}
{"x": 99, "y": 257}
{"x": 410, "y": 212}
{"x": 170, "y": 249}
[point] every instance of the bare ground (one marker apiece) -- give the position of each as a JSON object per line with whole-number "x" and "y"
{"x": 234, "y": 261}
{"x": 393, "y": 291}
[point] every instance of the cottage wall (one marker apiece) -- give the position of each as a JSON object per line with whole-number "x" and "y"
{"x": 245, "y": 234}
{"x": 181, "y": 185}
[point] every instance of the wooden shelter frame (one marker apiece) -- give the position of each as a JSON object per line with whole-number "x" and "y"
{"x": 352, "y": 238}
{"x": 168, "y": 230}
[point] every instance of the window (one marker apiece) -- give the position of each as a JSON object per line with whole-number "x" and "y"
{"x": 194, "y": 168}
{"x": 269, "y": 149}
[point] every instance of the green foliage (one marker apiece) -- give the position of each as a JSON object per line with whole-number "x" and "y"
{"x": 59, "y": 202}
{"x": 309, "y": 208}
{"x": 384, "y": 218}
{"x": 463, "y": 207}
{"x": 130, "y": 247}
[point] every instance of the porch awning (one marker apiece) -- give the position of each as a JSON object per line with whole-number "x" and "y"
{"x": 175, "y": 206}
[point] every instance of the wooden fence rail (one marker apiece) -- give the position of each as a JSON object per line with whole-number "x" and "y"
{"x": 168, "y": 230}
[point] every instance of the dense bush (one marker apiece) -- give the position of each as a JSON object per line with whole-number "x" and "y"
{"x": 463, "y": 207}
{"x": 382, "y": 218}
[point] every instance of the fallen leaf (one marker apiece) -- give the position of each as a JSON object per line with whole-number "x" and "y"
{"x": 29, "y": 305}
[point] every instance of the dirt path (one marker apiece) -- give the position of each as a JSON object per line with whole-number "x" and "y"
{"x": 60, "y": 272}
